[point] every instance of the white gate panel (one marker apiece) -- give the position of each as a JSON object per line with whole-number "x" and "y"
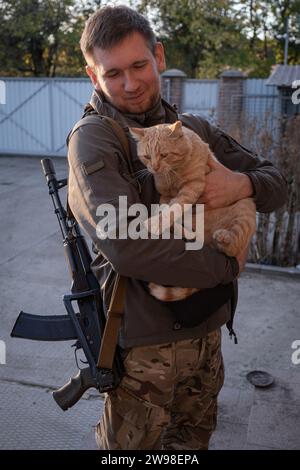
{"x": 39, "y": 113}
{"x": 200, "y": 97}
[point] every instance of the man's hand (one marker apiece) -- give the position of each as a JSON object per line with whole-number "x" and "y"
{"x": 223, "y": 186}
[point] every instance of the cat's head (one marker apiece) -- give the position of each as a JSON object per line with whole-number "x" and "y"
{"x": 162, "y": 148}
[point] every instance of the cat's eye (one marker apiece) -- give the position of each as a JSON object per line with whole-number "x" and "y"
{"x": 146, "y": 157}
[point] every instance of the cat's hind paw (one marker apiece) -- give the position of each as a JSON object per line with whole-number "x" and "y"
{"x": 222, "y": 236}
{"x": 222, "y": 239}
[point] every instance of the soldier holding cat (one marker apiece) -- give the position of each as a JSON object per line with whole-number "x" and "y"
{"x": 168, "y": 396}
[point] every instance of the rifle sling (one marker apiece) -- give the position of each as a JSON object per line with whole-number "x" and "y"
{"x": 119, "y": 131}
{"x": 114, "y": 318}
{"x": 116, "y": 306}
{"x": 113, "y": 323}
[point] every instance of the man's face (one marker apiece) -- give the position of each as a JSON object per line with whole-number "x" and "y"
{"x": 128, "y": 74}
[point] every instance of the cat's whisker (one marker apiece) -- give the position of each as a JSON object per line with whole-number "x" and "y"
{"x": 141, "y": 172}
{"x": 141, "y": 175}
{"x": 147, "y": 176}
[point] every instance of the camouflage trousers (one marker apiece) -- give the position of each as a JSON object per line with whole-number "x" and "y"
{"x": 167, "y": 398}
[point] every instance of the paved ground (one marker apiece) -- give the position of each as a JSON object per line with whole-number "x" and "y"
{"x": 33, "y": 277}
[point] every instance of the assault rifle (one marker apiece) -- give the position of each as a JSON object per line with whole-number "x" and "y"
{"x": 87, "y": 326}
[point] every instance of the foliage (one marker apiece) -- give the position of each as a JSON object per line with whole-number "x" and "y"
{"x": 40, "y": 37}
{"x": 201, "y": 37}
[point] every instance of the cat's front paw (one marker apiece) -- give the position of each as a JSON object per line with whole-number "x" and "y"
{"x": 153, "y": 225}
{"x": 158, "y": 223}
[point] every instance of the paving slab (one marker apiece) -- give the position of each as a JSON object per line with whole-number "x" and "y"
{"x": 274, "y": 425}
{"x": 31, "y": 420}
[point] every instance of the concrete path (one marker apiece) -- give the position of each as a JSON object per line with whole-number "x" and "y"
{"x": 33, "y": 278}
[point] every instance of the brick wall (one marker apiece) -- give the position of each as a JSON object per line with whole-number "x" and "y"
{"x": 230, "y": 105}
{"x": 171, "y": 87}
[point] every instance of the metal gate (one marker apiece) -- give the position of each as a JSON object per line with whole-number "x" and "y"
{"x": 39, "y": 113}
{"x": 200, "y": 97}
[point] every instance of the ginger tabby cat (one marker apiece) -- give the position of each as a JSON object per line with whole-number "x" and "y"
{"x": 177, "y": 157}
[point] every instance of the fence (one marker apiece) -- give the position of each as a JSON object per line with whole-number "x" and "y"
{"x": 39, "y": 113}
{"x": 200, "y": 97}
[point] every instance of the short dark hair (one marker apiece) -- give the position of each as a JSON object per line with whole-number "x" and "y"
{"x": 111, "y": 24}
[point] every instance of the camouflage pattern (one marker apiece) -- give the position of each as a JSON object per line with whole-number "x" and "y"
{"x": 167, "y": 398}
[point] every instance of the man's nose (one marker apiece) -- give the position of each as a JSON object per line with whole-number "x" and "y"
{"x": 130, "y": 82}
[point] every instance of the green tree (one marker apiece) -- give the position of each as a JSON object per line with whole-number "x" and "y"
{"x": 205, "y": 37}
{"x": 281, "y": 11}
{"x": 265, "y": 26}
{"x": 259, "y": 48}
{"x": 40, "y": 37}
{"x": 194, "y": 31}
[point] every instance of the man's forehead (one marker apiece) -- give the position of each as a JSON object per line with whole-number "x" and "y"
{"x": 132, "y": 49}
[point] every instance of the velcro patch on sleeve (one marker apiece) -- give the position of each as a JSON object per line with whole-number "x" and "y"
{"x": 91, "y": 167}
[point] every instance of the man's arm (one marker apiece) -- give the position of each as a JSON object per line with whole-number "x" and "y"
{"x": 240, "y": 172}
{"x": 95, "y": 178}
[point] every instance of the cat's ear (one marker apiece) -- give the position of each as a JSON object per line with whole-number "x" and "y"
{"x": 176, "y": 130}
{"x": 137, "y": 133}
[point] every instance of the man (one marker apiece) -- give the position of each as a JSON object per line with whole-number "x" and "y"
{"x": 168, "y": 396}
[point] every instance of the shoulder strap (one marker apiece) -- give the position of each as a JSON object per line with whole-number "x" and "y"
{"x": 116, "y": 308}
{"x": 115, "y": 312}
{"x": 113, "y": 323}
{"x": 120, "y": 133}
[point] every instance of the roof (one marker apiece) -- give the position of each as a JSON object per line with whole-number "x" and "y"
{"x": 233, "y": 73}
{"x": 284, "y": 75}
{"x": 173, "y": 73}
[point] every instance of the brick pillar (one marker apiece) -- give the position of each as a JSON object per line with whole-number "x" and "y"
{"x": 172, "y": 86}
{"x": 230, "y": 105}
